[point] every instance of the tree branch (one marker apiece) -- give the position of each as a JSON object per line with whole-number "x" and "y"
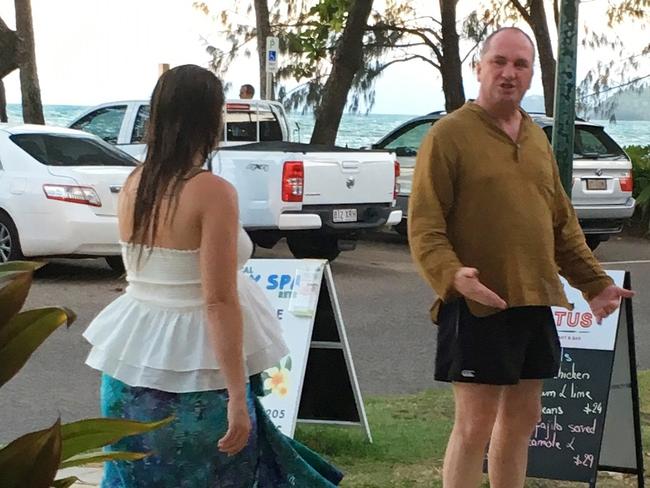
{"x": 299, "y": 24}
{"x": 409, "y": 58}
{"x": 416, "y": 32}
{"x": 379, "y": 44}
{"x": 8, "y": 50}
{"x": 428, "y": 17}
{"x": 522, "y": 11}
{"x": 411, "y": 30}
{"x": 476, "y": 44}
{"x": 632, "y": 82}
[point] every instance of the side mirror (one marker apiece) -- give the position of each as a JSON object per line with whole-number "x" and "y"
{"x": 405, "y": 151}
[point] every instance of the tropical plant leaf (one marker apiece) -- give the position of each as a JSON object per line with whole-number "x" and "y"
{"x": 17, "y": 326}
{"x": 100, "y": 457}
{"x": 22, "y": 335}
{"x": 287, "y": 363}
{"x": 13, "y": 293}
{"x": 85, "y": 435}
{"x": 65, "y": 482}
{"x": 13, "y": 268}
{"x": 644, "y": 196}
{"x": 41, "y": 449}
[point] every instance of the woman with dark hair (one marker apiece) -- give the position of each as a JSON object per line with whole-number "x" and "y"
{"x": 191, "y": 327}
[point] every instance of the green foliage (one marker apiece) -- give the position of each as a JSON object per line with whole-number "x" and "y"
{"x": 85, "y": 435}
{"x": 640, "y": 156}
{"x": 22, "y": 335}
{"x": 594, "y": 93}
{"x": 617, "y": 12}
{"x": 61, "y": 445}
{"x": 309, "y": 33}
{"x": 101, "y": 456}
{"x": 611, "y": 72}
{"x": 18, "y": 459}
{"x": 396, "y": 33}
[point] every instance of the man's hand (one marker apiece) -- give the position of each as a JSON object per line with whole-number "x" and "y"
{"x": 467, "y": 284}
{"x": 607, "y": 301}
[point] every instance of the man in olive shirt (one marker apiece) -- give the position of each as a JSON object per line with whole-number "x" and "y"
{"x": 490, "y": 227}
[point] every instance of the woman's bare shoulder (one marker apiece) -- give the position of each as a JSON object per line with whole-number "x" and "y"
{"x": 208, "y": 187}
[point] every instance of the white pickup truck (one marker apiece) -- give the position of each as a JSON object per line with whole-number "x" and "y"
{"x": 319, "y": 197}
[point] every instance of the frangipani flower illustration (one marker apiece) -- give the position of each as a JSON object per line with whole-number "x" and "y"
{"x": 276, "y": 379}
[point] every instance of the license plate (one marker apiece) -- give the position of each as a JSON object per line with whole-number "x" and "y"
{"x": 345, "y": 215}
{"x": 596, "y": 184}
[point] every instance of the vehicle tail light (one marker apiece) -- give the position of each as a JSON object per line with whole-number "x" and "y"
{"x": 627, "y": 182}
{"x": 396, "y": 186}
{"x": 238, "y": 107}
{"x": 73, "y": 194}
{"x": 293, "y": 181}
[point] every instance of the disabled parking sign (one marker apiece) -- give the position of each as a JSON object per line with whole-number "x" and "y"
{"x": 272, "y": 44}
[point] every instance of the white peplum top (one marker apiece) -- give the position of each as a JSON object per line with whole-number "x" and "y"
{"x": 156, "y": 334}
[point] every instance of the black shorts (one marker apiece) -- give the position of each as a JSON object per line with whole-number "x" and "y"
{"x": 501, "y": 349}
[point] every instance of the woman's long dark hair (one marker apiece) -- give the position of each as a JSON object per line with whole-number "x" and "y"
{"x": 185, "y": 121}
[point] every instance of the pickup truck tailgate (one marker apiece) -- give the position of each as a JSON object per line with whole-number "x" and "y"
{"x": 348, "y": 178}
{"x": 355, "y": 180}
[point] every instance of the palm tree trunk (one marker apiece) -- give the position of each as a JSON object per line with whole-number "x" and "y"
{"x": 29, "y": 86}
{"x": 450, "y": 65}
{"x": 545, "y": 48}
{"x": 3, "y": 103}
{"x": 346, "y": 62}
{"x": 263, "y": 31}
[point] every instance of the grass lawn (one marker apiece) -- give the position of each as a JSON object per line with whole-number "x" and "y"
{"x": 410, "y": 435}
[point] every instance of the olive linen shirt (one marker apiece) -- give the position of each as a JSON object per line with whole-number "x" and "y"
{"x": 481, "y": 200}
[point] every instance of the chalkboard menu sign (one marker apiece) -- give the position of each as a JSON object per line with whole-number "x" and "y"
{"x": 566, "y": 443}
{"x": 590, "y": 410}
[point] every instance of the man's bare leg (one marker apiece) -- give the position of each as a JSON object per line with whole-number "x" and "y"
{"x": 518, "y": 413}
{"x": 476, "y": 411}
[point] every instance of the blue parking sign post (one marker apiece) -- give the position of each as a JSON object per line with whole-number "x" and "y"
{"x": 272, "y": 44}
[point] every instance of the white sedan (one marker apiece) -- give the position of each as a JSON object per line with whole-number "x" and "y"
{"x": 58, "y": 194}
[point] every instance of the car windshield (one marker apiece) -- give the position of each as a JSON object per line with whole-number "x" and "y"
{"x": 407, "y": 141}
{"x": 592, "y": 142}
{"x": 71, "y": 150}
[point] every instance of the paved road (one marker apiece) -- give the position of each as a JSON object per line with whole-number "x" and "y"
{"x": 384, "y": 304}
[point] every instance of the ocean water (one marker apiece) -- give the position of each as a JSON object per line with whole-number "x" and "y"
{"x": 356, "y": 130}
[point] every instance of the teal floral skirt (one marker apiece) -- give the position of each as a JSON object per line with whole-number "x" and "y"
{"x": 184, "y": 453}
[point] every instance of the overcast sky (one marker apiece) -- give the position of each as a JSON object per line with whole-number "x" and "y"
{"x": 94, "y": 51}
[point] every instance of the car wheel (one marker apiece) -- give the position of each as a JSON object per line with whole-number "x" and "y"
{"x": 593, "y": 241}
{"x": 263, "y": 239}
{"x": 116, "y": 263}
{"x": 311, "y": 245}
{"x": 9, "y": 242}
{"x": 402, "y": 228}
